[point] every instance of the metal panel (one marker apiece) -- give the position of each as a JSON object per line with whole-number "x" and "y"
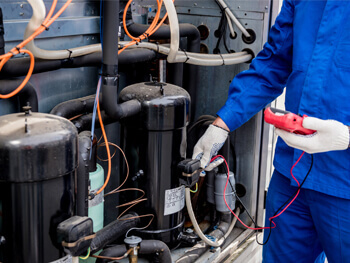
{"x": 14, "y": 29}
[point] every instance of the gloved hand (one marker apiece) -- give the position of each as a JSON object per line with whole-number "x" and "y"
{"x": 209, "y": 144}
{"x": 330, "y": 135}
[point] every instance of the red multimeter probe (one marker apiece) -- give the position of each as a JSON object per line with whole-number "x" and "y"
{"x": 286, "y": 120}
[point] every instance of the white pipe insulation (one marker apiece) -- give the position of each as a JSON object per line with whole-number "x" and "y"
{"x": 199, "y": 59}
{"x": 37, "y": 18}
{"x": 173, "y": 53}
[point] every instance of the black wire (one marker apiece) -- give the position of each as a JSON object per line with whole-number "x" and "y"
{"x": 234, "y": 191}
{"x": 222, "y": 28}
{"x": 290, "y": 198}
{"x": 286, "y": 202}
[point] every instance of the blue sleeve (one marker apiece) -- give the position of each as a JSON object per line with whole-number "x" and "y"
{"x": 253, "y": 89}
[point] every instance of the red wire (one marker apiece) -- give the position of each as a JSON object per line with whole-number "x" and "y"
{"x": 271, "y": 218}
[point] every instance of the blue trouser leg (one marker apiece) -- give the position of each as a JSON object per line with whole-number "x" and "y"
{"x": 295, "y": 238}
{"x": 315, "y": 222}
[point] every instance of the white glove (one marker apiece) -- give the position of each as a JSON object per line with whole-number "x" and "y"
{"x": 330, "y": 135}
{"x": 209, "y": 144}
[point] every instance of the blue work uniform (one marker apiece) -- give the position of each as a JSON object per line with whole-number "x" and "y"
{"x": 308, "y": 52}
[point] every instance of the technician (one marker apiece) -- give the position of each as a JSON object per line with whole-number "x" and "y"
{"x": 308, "y": 52}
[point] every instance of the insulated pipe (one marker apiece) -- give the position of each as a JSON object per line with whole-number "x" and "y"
{"x": 190, "y": 72}
{"x": 109, "y": 85}
{"x": 37, "y": 18}
{"x": 199, "y": 249}
{"x": 201, "y": 59}
{"x": 174, "y": 31}
{"x": 19, "y": 66}
{"x": 84, "y": 122}
{"x": 156, "y": 247}
{"x": 146, "y": 247}
{"x": 71, "y": 108}
{"x": 113, "y": 231}
{"x": 86, "y": 165}
{"x": 2, "y": 32}
{"x": 26, "y": 95}
{"x": 115, "y": 251}
{"x": 196, "y": 226}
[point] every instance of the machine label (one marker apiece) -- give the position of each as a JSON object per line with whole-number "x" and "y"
{"x": 174, "y": 200}
{"x": 66, "y": 259}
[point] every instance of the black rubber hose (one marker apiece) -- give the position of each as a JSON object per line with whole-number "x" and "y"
{"x": 186, "y": 30}
{"x": 19, "y": 66}
{"x": 86, "y": 165}
{"x": 26, "y": 95}
{"x": 146, "y": 247}
{"x": 84, "y": 122}
{"x": 109, "y": 88}
{"x": 113, "y": 231}
{"x": 71, "y": 108}
{"x": 156, "y": 247}
{"x": 195, "y": 252}
{"x": 190, "y": 72}
{"x": 115, "y": 251}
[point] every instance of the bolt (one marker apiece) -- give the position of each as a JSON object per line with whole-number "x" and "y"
{"x": 21, "y": 5}
{"x": 239, "y": 7}
{"x": 266, "y": 7}
{"x": 195, "y": 4}
{"x": 21, "y": 14}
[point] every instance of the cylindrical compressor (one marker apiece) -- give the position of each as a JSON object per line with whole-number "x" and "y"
{"x": 154, "y": 143}
{"x": 38, "y": 159}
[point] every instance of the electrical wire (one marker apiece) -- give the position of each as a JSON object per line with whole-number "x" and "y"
{"x": 114, "y": 258}
{"x": 19, "y": 48}
{"x": 279, "y": 210}
{"x": 87, "y": 256}
{"x": 195, "y": 191}
{"x": 107, "y": 150}
{"x": 292, "y": 196}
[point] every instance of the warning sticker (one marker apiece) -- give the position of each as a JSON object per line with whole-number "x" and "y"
{"x": 174, "y": 200}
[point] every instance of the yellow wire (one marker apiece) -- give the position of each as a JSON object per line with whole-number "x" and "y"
{"x": 87, "y": 256}
{"x": 195, "y": 191}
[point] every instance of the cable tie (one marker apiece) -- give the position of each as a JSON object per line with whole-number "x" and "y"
{"x": 157, "y": 43}
{"x": 70, "y": 53}
{"x": 223, "y": 61}
{"x": 18, "y": 49}
{"x": 139, "y": 39}
{"x": 187, "y": 57}
{"x": 46, "y": 28}
{"x": 146, "y": 35}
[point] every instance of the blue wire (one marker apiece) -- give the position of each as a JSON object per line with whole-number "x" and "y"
{"x": 94, "y": 113}
{"x": 99, "y": 82}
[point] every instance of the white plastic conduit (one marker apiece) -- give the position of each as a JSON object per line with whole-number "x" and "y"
{"x": 234, "y": 19}
{"x": 174, "y": 31}
{"x": 198, "y": 58}
{"x": 37, "y": 18}
{"x": 197, "y": 228}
